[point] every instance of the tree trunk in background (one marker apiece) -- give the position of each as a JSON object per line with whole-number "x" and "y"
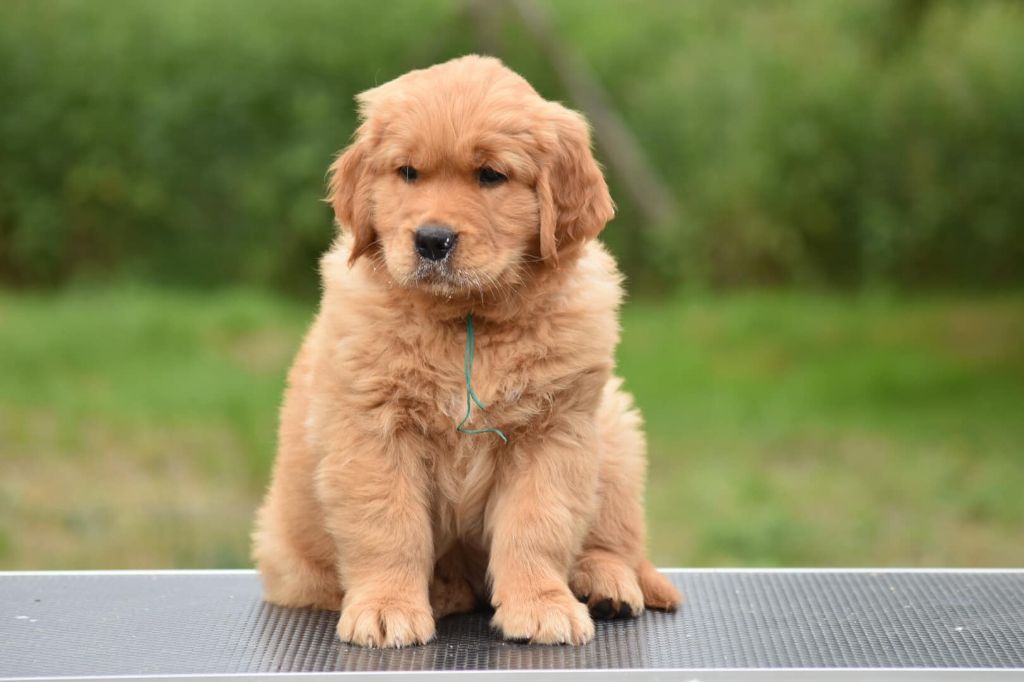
{"x": 619, "y": 148}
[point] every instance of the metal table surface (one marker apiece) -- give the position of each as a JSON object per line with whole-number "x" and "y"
{"x": 735, "y": 624}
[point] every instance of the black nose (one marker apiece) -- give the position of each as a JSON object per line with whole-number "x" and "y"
{"x": 434, "y": 242}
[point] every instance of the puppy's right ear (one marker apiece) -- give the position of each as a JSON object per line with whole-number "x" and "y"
{"x": 348, "y": 192}
{"x": 573, "y": 195}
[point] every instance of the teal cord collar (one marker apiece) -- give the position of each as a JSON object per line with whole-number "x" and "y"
{"x": 471, "y": 396}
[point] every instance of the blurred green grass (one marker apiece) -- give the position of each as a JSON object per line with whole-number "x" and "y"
{"x": 137, "y": 426}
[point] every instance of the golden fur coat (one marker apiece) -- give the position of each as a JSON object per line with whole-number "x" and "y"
{"x": 378, "y": 505}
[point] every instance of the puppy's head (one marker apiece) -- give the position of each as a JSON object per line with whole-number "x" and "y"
{"x": 461, "y": 177}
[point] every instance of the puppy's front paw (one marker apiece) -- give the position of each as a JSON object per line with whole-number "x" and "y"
{"x": 551, "y": 617}
{"x": 385, "y": 621}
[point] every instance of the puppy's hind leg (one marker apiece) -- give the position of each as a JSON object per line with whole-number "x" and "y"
{"x": 292, "y": 551}
{"x": 289, "y": 578}
{"x": 612, "y": 574}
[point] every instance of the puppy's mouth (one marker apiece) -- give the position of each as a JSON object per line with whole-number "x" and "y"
{"x": 440, "y": 277}
{"x": 433, "y": 271}
{"x": 437, "y": 275}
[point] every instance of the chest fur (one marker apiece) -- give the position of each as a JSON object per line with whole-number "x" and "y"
{"x": 421, "y": 380}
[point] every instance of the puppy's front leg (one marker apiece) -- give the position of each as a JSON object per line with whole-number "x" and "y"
{"x": 375, "y": 502}
{"x": 537, "y": 524}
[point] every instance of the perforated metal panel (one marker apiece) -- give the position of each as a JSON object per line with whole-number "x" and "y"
{"x": 202, "y": 624}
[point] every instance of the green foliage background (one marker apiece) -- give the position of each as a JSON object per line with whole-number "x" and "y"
{"x": 137, "y": 426}
{"x": 813, "y": 142}
{"x": 862, "y": 157}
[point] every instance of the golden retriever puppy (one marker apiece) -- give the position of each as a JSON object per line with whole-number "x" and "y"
{"x": 466, "y": 275}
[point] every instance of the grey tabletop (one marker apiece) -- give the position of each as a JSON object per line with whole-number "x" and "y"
{"x": 733, "y": 624}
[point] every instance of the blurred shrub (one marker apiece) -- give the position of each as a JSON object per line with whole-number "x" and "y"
{"x": 828, "y": 142}
{"x": 812, "y": 142}
{"x": 183, "y": 142}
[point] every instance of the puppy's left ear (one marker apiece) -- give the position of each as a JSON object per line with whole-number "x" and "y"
{"x": 574, "y": 201}
{"x": 348, "y": 192}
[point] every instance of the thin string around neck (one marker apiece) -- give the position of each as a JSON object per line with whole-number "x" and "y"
{"x": 471, "y": 396}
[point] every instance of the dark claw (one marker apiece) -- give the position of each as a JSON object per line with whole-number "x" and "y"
{"x": 625, "y": 611}
{"x": 603, "y": 609}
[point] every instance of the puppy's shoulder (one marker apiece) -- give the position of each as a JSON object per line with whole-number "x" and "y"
{"x": 598, "y": 276}
{"x": 349, "y": 292}
{"x": 590, "y": 293}
{"x": 577, "y": 319}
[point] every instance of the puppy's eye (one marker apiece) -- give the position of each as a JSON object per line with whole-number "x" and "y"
{"x": 408, "y": 173}
{"x": 489, "y": 177}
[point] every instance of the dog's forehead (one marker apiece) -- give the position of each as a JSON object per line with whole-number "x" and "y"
{"x": 465, "y": 112}
{"x": 468, "y": 77}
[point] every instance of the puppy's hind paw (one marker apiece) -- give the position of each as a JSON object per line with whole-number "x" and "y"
{"x": 607, "y": 585}
{"x": 659, "y": 592}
